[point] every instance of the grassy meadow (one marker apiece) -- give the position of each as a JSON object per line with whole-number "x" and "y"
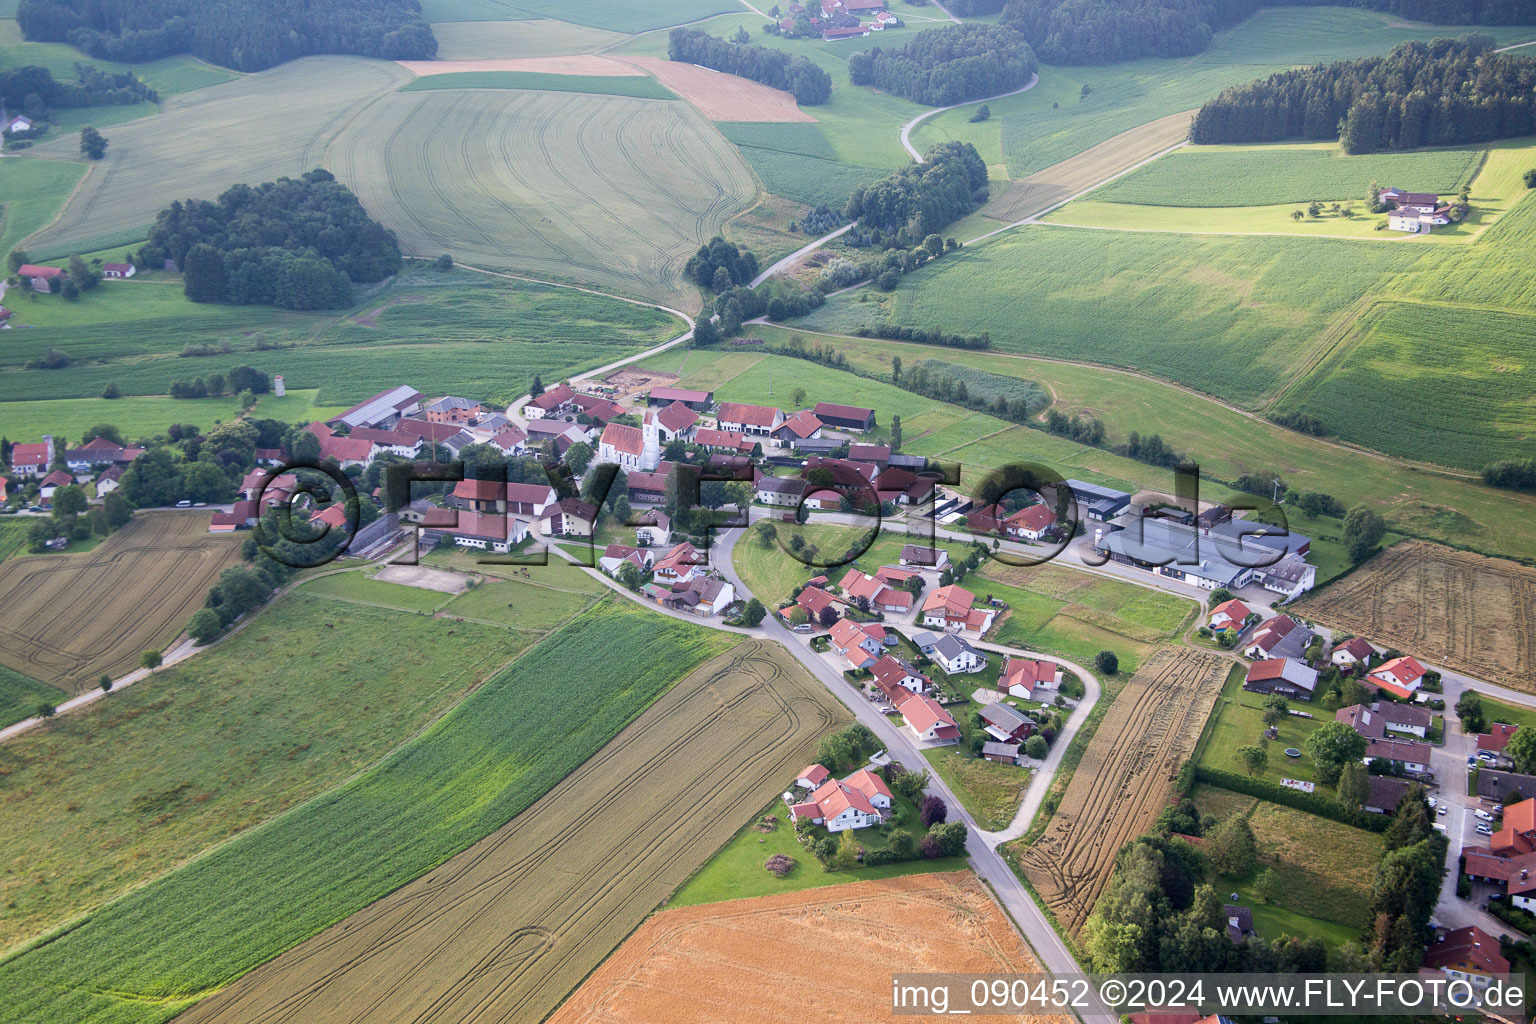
{"x": 151, "y": 953}
{"x": 298, "y": 701}
{"x": 635, "y": 86}
{"x": 21, "y": 696}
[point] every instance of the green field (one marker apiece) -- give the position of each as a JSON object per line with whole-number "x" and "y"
{"x": 1467, "y": 373}
{"x": 447, "y": 333}
{"x": 1323, "y": 870}
{"x": 771, "y": 573}
{"x": 136, "y": 417}
{"x": 1267, "y": 175}
{"x": 1054, "y": 120}
{"x": 20, "y": 697}
{"x": 736, "y": 871}
{"x": 636, "y": 86}
{"x": 31, "y": 194}
{"x": 526, "y": 37}
{"x": 615, "y": 15}
{"x": 151, "y": 953}
{"x": 298, "y": 701}
{"x": 1076, "y": 615}
{"x": 167, "y": 76}
{"x": 607, "y": 190}
{"x": 526, "y": 605}
{"x": 795, "y": 160}
{"x": 361, "y": 588}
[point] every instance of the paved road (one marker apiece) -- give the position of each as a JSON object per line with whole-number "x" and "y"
{"x": 906, "y": 129}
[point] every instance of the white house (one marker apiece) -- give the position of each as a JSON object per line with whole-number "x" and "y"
{"x": 750, "y": 420}
{"x": 654, "y": 529}
{"x": 615, "y": 555}
{"x": 1411, "y": 755}
{"x": 890, "y": 672}
{"x": 18, "y": 124}
{"x": 921, "y": 557}
{"x": 954, "y": 655}
{"x": 858, "y": 801}
{"x": 678, "y": 565}
{"x": 623, "y": 446}
{"x": 1023, "y": 677}
{"x": 552, "y": 402}
{"x": 677, "y": 422}
{"x": 1351, "y": 653}
{"x": 851, "y": 641}
{"x": 1030, "y": 523}
{"x": 812, "y": 776}
{"x": 784, "y": 491}
{"x": 928, "y": 720}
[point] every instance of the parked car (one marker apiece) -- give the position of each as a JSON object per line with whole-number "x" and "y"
{"x": 184, "y": 503}
{"x": 1442, "y": 811}
{"x": 199, "y": 504}
{"x": 1439, "y": 827}
{"x": 1432, "y": 803}
{"x": 1486, "y": 830}
{"x": 1483, "y": 815}
{"x": 1487, "y": 756}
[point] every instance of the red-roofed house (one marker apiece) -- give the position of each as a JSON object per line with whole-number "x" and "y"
{"x": 676, "y": 421}
{"x": 1288, "y": 677}
{"x": 52, "y": 482}
{"x": 333, "y": 515}
{"x": 1030, "y": 523}
{"x": 845, "y": 417}
{"x": 1229, "y": 615}
{"x": 552, "y": 402}
{"x": 1351, "y": 653}
{"x": 893, "y": 675}
{"x": 1497, "y": 738}
{"x": 1400, "y": 677}
{"x": 1021, "y": 677}
{"x": 723, "y": 440}
{"x": 928, "y": 720}
{"x": 851, "y": 641}
{"x": 99, "y": 452}
{"x": 119, "y": 271}
{"x": 678, "y": 565}
{"x": 813, "y": 600}
{"x": 987, "y": 519}
{"x": 854, "y": 802}
{"x": 32, "y": 459}
{"x": 950, "y": 608}
{"x": 802, "y": 426}
{"x": 1517, "y": 832}
{"x": 1467, "y": 954}
{"x": 42, "y": 278}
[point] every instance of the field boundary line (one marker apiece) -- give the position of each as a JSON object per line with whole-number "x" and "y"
{"x": 1331, "y": 345}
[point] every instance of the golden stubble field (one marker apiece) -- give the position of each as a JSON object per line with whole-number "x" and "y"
{"x": 506, "y": 929}
{"x": 1453, "y": 608}
{"x": 69, "y": 618}
{"x": 1124, "y": 780}
{"x": 814, "y": 957}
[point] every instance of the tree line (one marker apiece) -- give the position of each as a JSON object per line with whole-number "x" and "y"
{"x": 920, "y": 199}
{"x": 776, "y": 69}
{"x": 1105, "y": 31}
{"x": 33, "y": 90}
{"x": 293, "y": 243}
{"x": 944, "y": 66}
{"x": 247, "y": 35}
{"x": 1441, "y": 93}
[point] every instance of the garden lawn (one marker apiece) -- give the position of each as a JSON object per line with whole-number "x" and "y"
{"x": 309, "y": 693}
{"x": 771, "y": 573}
{"x": 736, "y": 871}
{"x": 1323, "y": 871}
{"x": 146, "y": 956}
{"x": 990, "y": 790}
{"x": 1238, "y": 721}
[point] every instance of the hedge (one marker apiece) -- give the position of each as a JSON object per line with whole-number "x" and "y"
{"x": 1311, "y": 803}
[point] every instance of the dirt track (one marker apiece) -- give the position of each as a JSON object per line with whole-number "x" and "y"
{"x": 1453, "y": 608}
{"x": 722, "y": 97}
{"x": 1124, "y": 779}
{"x": 506, "y": 929}
{"x": 814, "y": 957}
{"x": 67, "y": 619}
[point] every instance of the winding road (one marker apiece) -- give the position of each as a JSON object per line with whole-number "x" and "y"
{"x": 906, "y": 129}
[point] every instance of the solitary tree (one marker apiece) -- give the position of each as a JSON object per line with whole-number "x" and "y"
{"x": 1254, "y": 758}
{"x": 105, "y": 682}
{"x": 1231, "y": 846}
{"x": 445, "y": 261}
{"x": 895, "y": 432}
{"x": 1332, "y": 746}
{"x": 1107, "y": 662}
{"x": 1363, "y": 530}
{"x": 933, "y": 811}
{"x": 93, "y": 144}
{"x": 150, "y": 659}
{"x": 896, "y": 369}
{"x": 752, "y": 614}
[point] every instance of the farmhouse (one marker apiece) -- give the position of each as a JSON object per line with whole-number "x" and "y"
{"x": 750, "y": 420}
{"x": 1098, "y": 503}
{"x": 649, "y": 488}
{"x": 679, "y": 564}
{"x": 596, "y": 408}
{"x": 724, "y": 440}
{"x": 1286, "y": 676}
{"x": 1030, "y": 523}
{"x": 677, "y": 421}
{"x": 569, "y": 517}
{"x": 383, "y": 411}
{"x": 510, "y": 441}
{"x": 701, "y": 595}
{"x": 451, "y": 409}
{"x": 487, "y": 531}
{"x": 1280, "y": 637}
{"x": 1021, "y": 677}
{"x": 615, "y": 555}
{"x": 1400, "y": 677}
{"x": 784, "y": 491}
{"x": 797, "y": 429}
{"x": 341, "y": 449}
{"x": 552, "y": 402}
{"x": 1229, "y": 615}
{"x": 99, "y": 452}
{"x": 18, "y": 124}
{"x": 950, "y": 608}
{"x": 986, "y": 518}
{"x": 42, "y": 278}
{"x": 1290, "y": 577}
{"x": 855, "y": 802}
{"x": 698, "y": 401}
{"x": 845, "y": 417}
{"x": 1351, "y": 653}
{"x": 928, "y": 720}
{"x": 109, "y": 480}
{"x": 118, "y": 271}
{"x": 1006, "y": 724}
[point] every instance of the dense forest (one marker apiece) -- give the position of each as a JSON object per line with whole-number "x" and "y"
{"x": 974, "y": 8}
{"x": 247, "y": 35}
{"x": 1423, "y": 94}
{"x": 919, "y": 199}
{"x": 1104, "y": 31}
{"x": 293, "y": 243}
{"x": 773, "y": 68}
{"x": 33, "y": 90}
{"x": 944, "y": 66}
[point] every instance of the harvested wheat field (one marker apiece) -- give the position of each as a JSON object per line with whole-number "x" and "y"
{"x": 1124, "y": 779}
{"x": 746, "y": 961}
{"x": 575, "y": 64}
{"x": 509, "y": 927}
{"x": 68, "y": 619}
{"x": 1453, "y": 608}
{"x": 722, "y": 97}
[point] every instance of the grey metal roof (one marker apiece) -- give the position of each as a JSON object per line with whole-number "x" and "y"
{"x": 1001, "y": 749}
